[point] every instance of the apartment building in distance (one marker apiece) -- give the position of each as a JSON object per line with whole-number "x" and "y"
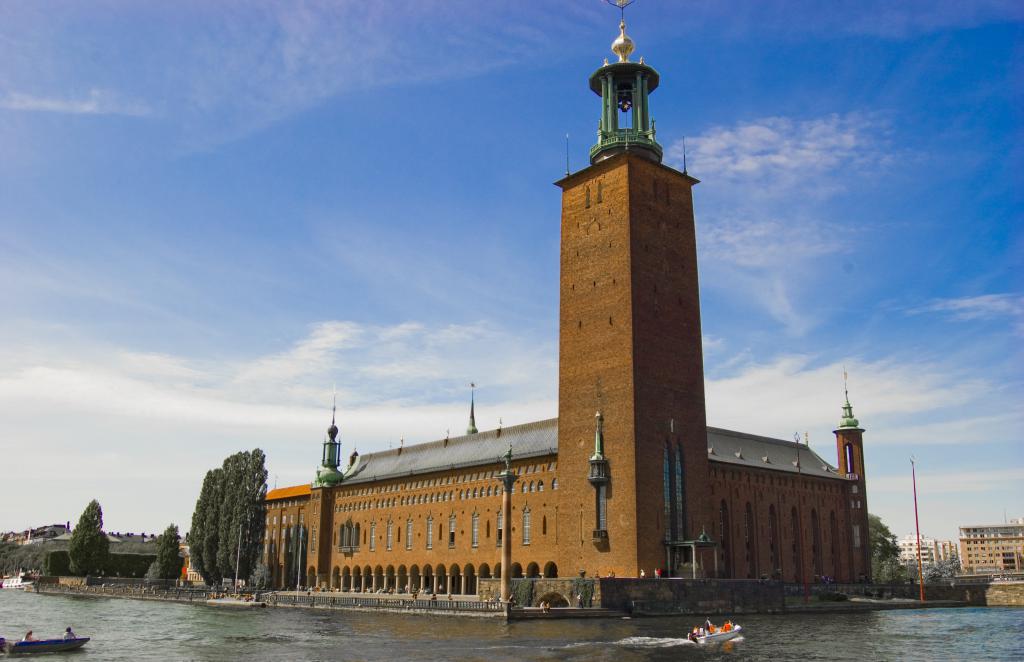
{"x": 932, "y": 550}
{"x": 992, "y": 547}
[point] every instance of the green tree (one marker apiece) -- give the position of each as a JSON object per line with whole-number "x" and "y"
{"x": 944, "y": 569}
{"x": 229, "y": 519}
{"x": 885, "y": 553}
{"x": 202, "y": 537}
{"x": 89, "y": 547}
{"x": 168, "y": 559}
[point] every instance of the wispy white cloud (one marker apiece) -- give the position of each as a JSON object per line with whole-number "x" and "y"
{"x": 981, "y": 307}
{"x": 767, "y": 220}
{"x": 905, "y": 400}
{"x": 953, "y": 482}
{"x": 784, "y": 151}
{"x": 96, "y": 102}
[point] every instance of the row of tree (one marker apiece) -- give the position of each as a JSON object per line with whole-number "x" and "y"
{"x": 886, "y": 567}
{"x": 229, "y": 518}
{"x": 89, "y": 548}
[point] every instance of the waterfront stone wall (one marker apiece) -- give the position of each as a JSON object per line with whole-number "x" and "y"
{"x": 560, "y": 592}
{"x": 689, "y": 596}
{"x": 1010, "y": 594}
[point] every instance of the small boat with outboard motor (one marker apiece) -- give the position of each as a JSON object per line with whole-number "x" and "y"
{"x": 41, "y": 645}
{"x": 710, "y": 634}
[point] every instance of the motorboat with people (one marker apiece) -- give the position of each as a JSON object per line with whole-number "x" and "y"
{"x": 30, "y": 647}
{"x": 710, "y": 633}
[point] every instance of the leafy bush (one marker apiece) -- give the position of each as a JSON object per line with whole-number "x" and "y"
{"x": 57, "y": 563}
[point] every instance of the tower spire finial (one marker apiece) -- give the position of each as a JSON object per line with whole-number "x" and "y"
{"x": 334, "y": 403}
{"x": 471, "y": 429}
{"x": 623, "y": 46}
{"x": 848, "y": 420}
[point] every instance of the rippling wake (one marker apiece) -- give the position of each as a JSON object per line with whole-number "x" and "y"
{"x": 654, "y": 642}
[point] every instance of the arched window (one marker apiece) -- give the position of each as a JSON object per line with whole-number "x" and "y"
{"x": 554, "y": 483}
{"x": 748, "y": 540}
{"x": 680, "y": 497}
{"x": 532, "y": 486}
{"x": 526, "y": 526}
{"x": 724, "y": 537}
{"x": 667, "y": 494}
{"x": 849, "y": 458}
{"x": 816, "y": 543}
{"x": 525, "y": 486}
{"x": 544, "y": 525}
{"x": 586, "y": 202}
{"x": 408, "y": 533}
{"x": 798, "y": 564}
{"x": 390, "y": 534}
{"x": 773, "y": 542}
{"x": 833, "y": 535}
{"x": 501, "y": 529}
{"x": 451, "y": 530}
{"x": 373, "y": 536}
{"x": 475, "y": 530}
{"x": 540, "y": 486}
{"x": 430, "y": 532}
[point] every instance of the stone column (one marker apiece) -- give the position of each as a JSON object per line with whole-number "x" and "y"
{"x": 362, "y": 583}
{"x": 374, "y": 585}
{"x": 462, "y": 588}
{"x": 508, "y": 479}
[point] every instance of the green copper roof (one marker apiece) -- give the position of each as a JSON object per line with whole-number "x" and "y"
{"x": 848, "y": 421}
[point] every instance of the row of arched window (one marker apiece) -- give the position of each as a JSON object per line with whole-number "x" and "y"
{"x": 348, "y": 533}
{"x": 442, "y": 480}
{"x": 441, "y": 497}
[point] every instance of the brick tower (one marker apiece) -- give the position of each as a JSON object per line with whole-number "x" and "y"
{"x": 850, "y": 452}
{"x": 629, "y": 344}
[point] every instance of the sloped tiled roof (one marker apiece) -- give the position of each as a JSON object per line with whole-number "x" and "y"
{"x": 758, "y": 452}
{"x": 288, "y": 492}
{"x": 528, "y": 440}
{"x": 540, "y": 438}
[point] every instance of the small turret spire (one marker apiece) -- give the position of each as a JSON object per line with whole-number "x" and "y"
{"x": 598, "y": 437}
{"x": 472, "y": 409}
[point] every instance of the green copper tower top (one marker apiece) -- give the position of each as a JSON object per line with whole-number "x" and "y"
{"x": 624, "y": 87}
{"x": 847, "y": 422}
{"x": 328, "y": 473}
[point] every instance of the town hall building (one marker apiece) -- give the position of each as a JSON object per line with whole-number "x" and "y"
{"x": 628, "y": 480}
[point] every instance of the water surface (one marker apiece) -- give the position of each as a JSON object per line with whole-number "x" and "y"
{"x": 138, "y": 630}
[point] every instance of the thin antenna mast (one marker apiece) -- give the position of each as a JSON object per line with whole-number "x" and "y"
{"x": 567, "y": 155}
{"x": 684, "y": 155}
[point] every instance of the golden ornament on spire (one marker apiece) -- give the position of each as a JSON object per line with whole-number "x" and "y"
{"x": 623, "y": 45}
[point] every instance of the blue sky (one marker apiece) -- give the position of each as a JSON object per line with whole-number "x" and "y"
{"x": 210, "y": 213}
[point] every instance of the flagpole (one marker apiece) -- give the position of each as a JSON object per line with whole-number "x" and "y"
{"x": 917, "y": 525}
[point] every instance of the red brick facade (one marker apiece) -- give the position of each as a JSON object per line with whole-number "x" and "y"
{"x": 629, "y": 348}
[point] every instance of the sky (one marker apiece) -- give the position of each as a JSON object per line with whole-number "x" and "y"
{"x": 214, "y": 214}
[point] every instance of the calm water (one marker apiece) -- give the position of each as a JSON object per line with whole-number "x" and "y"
{"x": 135, "y": 630}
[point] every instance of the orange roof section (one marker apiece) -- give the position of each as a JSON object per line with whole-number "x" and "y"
{"x": 288, "y": 492}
